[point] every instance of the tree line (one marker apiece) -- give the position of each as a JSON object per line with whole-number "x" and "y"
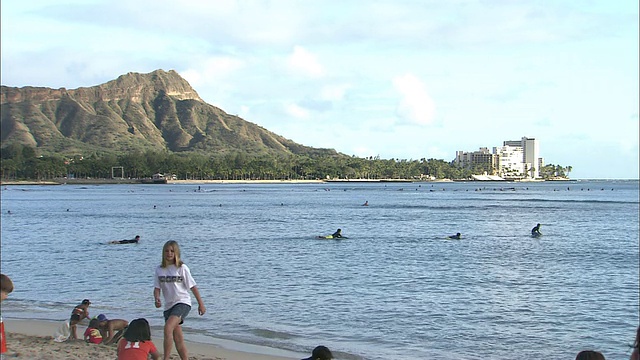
{"x": 22, "y": 162}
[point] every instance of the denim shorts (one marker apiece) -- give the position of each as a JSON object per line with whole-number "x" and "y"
{"x": 181, "y": 310}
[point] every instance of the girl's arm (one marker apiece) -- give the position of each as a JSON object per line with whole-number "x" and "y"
{"x": 155, "y": 355}
{"x": 156, "y": 296}
{"x": 201, "y": 308}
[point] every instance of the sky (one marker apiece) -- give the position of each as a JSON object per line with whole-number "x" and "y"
{"x": 403, "y": 79}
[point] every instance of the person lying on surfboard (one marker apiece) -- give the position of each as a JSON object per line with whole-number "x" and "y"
{"x": 455, "y": 237}
{"x": 132, "y": 241}
{"x": 335, "y": 235}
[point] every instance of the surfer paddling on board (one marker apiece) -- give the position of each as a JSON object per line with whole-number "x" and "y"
{"x": 132, "y": 241}
{"x": 455, "y": 237}
{"x": 335, "y": 235}
{"x": 535, "y": 232}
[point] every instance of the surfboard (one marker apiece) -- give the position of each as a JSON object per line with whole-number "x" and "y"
{"x": 331, "y": 237}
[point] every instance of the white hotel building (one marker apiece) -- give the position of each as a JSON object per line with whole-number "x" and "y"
{"x": 515, "y": 159}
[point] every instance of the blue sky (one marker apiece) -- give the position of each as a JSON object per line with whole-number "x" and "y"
{"x": 396, "y": 79}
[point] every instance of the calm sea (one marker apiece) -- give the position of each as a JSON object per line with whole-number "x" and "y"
{"x": 395, "y": 289}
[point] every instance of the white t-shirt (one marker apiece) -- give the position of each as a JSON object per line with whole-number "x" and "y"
{"x": 175, "y": 283}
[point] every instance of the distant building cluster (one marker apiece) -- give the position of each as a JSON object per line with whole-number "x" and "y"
{"x": 515, "y": 159}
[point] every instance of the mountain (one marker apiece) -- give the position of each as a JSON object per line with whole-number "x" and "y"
{"x": 156, "y": 111}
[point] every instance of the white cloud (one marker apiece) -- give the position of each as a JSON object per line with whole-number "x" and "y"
{"x": 296, "y": 111}
{"x": 245, "y": 111}
{"x": 305, "y": 62}
{"x": 416, "y": 106}
{"x": 334, "y": 92}
{"x": 211, "y": 69}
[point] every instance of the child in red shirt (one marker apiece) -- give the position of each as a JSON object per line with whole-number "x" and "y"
{"x": 6, "y": 287}
{"x": 92, "y": 334}
{"x": 136, "y": 342}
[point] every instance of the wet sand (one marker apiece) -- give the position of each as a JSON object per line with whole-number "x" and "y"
{"x": 33, "y": 340}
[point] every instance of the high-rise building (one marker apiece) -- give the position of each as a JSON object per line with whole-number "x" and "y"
{"x": 531, "y": 160}
{"x": 510, "y": 161}
{"x": 482, "y": 158}
{"x": 515, "y": 159}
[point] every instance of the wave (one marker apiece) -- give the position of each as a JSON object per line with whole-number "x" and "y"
{"x": 569, "y": 201}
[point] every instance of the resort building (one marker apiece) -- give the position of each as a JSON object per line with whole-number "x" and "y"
{"x": 510, "y": 165}
{"x": 531, "y": 159}
{"x": 515, "y": 159}
{"x": 481, "y": 159}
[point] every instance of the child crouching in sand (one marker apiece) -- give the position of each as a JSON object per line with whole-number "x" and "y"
{"x": 136, "y": 342}
{"x": 92, "y": 334}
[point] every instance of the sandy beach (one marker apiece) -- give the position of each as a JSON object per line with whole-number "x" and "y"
{"x": 33, "y": 340}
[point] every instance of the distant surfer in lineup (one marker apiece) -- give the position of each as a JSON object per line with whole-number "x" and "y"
{"x": 535, "y": 232}
{"x": 132, "y": 241}
{"x": 335, "y": 235}
{"x": 455, "y": 237}
{"x": 366, "y": 203}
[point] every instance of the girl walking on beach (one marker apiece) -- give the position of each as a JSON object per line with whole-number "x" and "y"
{"x": 173, "y": 278}
{"x": 136, "y": 342}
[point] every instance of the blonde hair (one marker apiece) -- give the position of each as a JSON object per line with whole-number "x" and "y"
{"x": 176, "y": 251}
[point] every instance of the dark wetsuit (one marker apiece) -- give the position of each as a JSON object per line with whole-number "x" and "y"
{"x": 128, "y": 241}
{"x": 134, "y": 241}
{"x": 337, "y": 234}
{"x": 536, "y": 231}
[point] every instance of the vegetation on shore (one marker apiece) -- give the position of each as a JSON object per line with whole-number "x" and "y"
{"x": 22, "y": 163}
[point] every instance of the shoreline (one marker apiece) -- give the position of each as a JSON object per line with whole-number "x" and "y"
{"x": 29, "y": 339}
{"x": 316, "y": 181}
{"x": 195, "y": 182}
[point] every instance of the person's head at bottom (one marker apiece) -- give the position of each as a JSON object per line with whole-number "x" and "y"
{"x": 138, "y": 330}
{"x": 320, "y": 353}
{"x": 590, "y": 355}
{"x": 6, "y": 286}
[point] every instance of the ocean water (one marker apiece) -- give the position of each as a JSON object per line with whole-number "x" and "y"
{"x": 395, "y": 289}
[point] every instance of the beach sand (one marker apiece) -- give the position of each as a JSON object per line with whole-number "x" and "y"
{"x": 33, "y": 340}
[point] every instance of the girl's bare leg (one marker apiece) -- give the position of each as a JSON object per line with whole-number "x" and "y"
{"x": 178, "y": 338}
{"x": 169, "y": 328}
